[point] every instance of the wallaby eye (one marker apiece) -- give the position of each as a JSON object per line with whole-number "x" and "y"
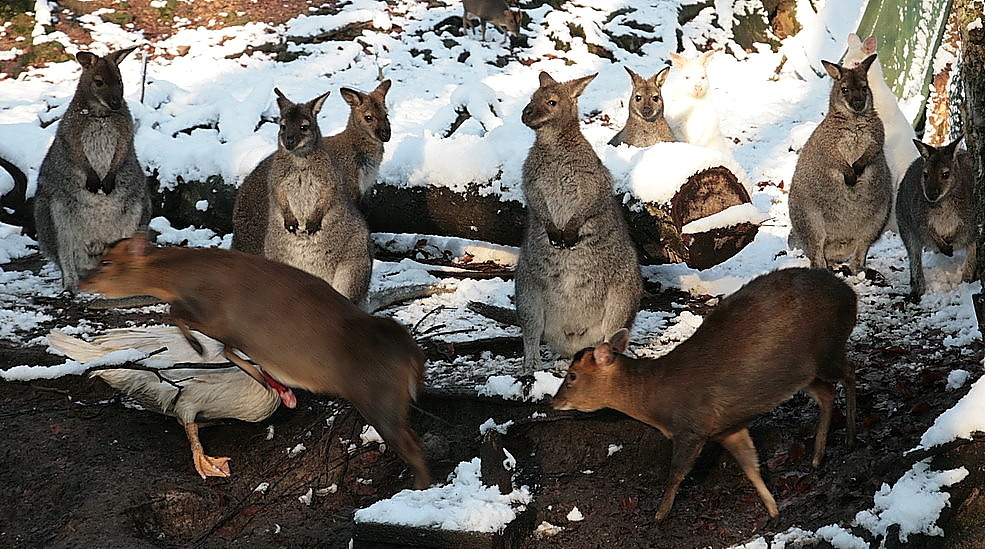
{"x": 368, "y": 118}
{"x": 945, "y": 175}
{"x": 571, "y": 377}
{"x": 552, "y": 103}
{"x": 305, "y": 127}
{"x": 844, "y": 89}
{"x": 639, "y": 98}
{"x": 99, "y": 82}
{"x": 656, "y": 98}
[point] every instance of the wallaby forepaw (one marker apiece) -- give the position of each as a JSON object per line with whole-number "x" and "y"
{"x": 93, "y": 184}
{"x": 851, "y": 179}
{"x": 109, "y": 183}
{"x": 312, "y": 226}
{"x": 946, "y": 249}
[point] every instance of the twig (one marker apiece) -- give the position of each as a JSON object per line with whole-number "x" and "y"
{"x": 435, "y": 310}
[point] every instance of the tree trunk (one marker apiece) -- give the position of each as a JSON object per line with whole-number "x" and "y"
{"x": 973, "y": 113}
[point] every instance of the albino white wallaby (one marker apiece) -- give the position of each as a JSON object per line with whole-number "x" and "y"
{"x": 578, "y": 277}
{"x": 935, "y": 209}
{"x": 496, "y": 12}
{"x": 899, "y": 149}
{"x": 841, "y": 190}
{"x": 781, "y": 333}
{"x": 312, "y": 223}
{"x": 91, "y": 189}
{"x": 689, "y": 107}
{"x": 645, "y": 124}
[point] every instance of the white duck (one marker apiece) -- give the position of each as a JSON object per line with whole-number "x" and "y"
{"x": 191, "y": 395}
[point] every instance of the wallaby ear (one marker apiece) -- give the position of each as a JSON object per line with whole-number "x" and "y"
{"x": 834, "y": 70}
{"x": 283, "y": 103}
{"x": 866, "y": 63}
{"x": 86, "y": 59}
{"x": 620, "y": 340}
{"x": 633, "y": 76}
{"x": 383, "y": 88}
{"x": 603, "y": 355}
{"x": 705, "y": 57}
{"x": 118, "y": 56}
{"x": 546, "y": 79}
{"x": 869, "y": 45}
{"x": 353, "y": 97}
{"x": 952, "y": 147}
{"x": 924, "y": 149}
{"x": 661, "y": 76}
{"x": 678, "y": 60}
{"x": 578, "y": 85}
{"x": 854, "y": 42}
{"x": 316, "y": 103}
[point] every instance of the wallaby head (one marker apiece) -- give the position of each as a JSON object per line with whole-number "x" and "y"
{"x": 368, "y": 110}
{"x": 851, "y": 86}
{"x": 693, "y": 73}
{"x": 858, "y": 50}
{"x": 940, "y": 174}
{"x": 299, "y": 132}
{"x": 121, "y": 269}
{"x": 588, "y": 384}
{"x": 101, "y": 85}
{"x": 647, "y": 101}
{"x": 554, "y": 102}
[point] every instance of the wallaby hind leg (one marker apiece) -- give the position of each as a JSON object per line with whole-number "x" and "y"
{"x": 530, "y": 313}
{"x": 857, "y": 263}
{"x": 968, "y": 268}
{"x": 823, "y": 392}
{"x": 352, "y": 280}
{"x": 740, "y": 445}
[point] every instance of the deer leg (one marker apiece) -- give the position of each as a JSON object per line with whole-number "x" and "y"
{"x": 824, "y": 393}
{"x": 740, "y": 445}
{"x": 686, "y": 450}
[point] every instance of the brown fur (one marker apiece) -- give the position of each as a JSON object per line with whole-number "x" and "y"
{"x": 297, "y": 328}
{"x": 783, "y": 332}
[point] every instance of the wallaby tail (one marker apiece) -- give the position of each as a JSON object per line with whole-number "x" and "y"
{"x": 15, "y": 208}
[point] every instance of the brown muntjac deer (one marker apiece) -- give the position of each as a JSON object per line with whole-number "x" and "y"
{"x": 781, "y": 333}
{"x": 296, "y": 328}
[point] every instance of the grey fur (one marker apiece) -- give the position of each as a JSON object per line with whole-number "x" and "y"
{"x": 934, "y": 209}
{"x": 578, "y": 277}
{"x": 841, "y": 191}
{"x": 496, "y": 12}
{"x": 91, "y": 188}
{"x": 645, "y": 125}
{"x": 312, "y": 223}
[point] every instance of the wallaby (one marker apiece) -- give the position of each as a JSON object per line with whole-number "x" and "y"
{"x": 899, "y": 149}
{"x": 781, "y": 333}
{"x": 935, "y": 209}
{"x": 358, "y": 149}
{"x": 689, "y": 107}
{"x": 294, "y": 325}
{"x": 645, "y": 124}
{"x": 578, "y": 276}
{"x": 312, "y": 222}
{"x": 15, "y": 207}
{"x": 841, "y": 190}
{"x": 91, "y": 189}
{"x": 496, "y": 12}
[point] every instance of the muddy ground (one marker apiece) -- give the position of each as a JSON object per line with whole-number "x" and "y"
{"x": 78, "y": 468}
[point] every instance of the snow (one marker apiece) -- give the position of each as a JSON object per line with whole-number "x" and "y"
{"x": 575, "y": 515}
{"x": 202, "y": 116}
{"x": 463, "y": 504}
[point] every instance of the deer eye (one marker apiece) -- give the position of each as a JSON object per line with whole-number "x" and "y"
{"x": 105, "y": 262}
{"x": 552, "y": 103}
{"x": 571, "y": 377}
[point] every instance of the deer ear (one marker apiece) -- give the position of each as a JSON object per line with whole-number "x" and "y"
{"x": 603, "y": 355}
{"x": 620, "y": 340}
{"x": 834, "y": 70}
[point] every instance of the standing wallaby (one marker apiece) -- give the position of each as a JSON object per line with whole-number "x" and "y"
{"x": 91, "y": 189}
{"x": 496, "y": 12}
{"x": 311, "y": 220}
{"x": 841, "y": 190}
{"x": 899, "y": 149}
{"x": 578, "y": 277}
{"x": 689, "y": 107}
{"x": 358, "y": 149}
{"x": 935, "y": 209}
{"x": 293, "y": 325}
{"x": 645, "y": 125}
{"x": 781, "y": 333}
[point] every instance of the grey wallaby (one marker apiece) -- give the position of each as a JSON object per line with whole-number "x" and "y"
{"x": 934, "y": 209}
{"x": 646, "y": 124}
{"x": 496, "y": 12}
{"x": 781, "y": 333}
{"x": 91, "y": 189}
{"x": 355, "y": 153}
{"x": 841, "y": 191}
{"x": 578, "y": 277}
{"x": 312, "y": 223}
